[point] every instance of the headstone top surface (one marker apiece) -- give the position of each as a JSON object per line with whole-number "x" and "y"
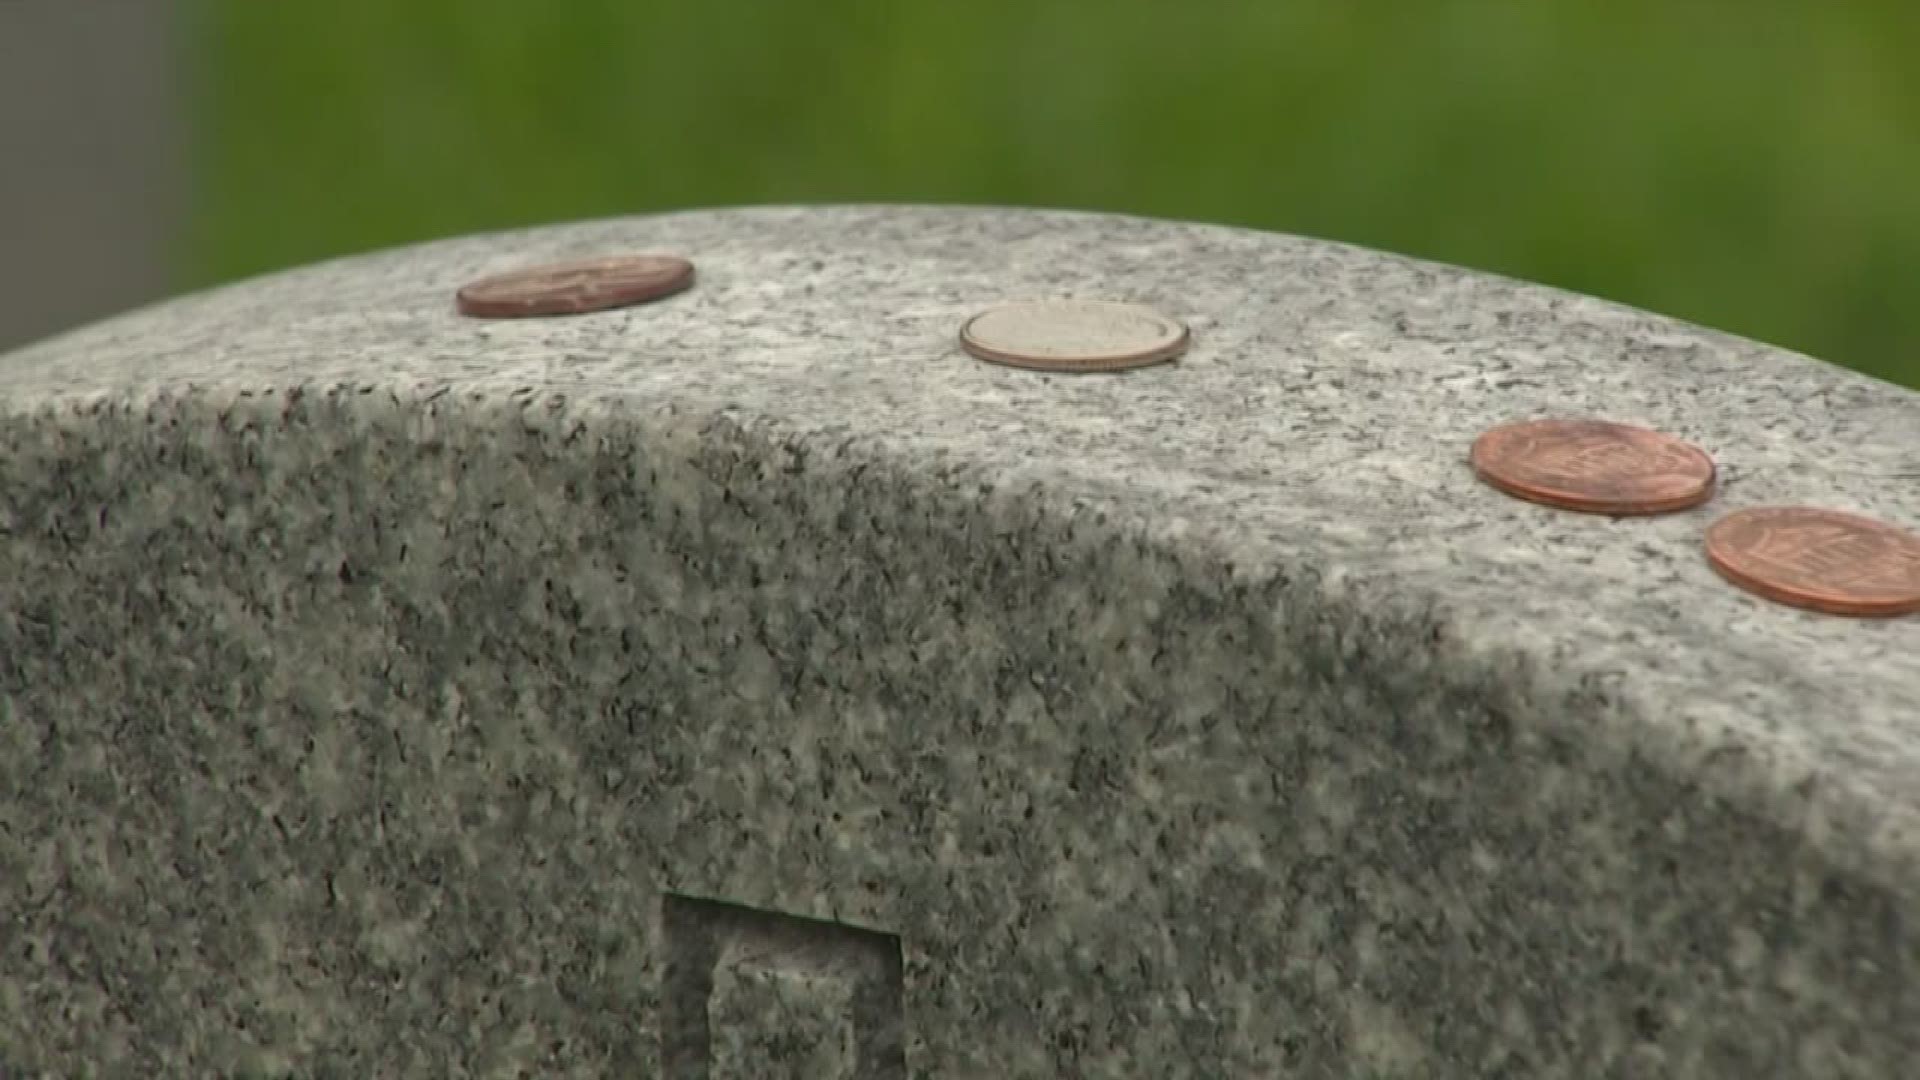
{"x": 1317, "y": 426}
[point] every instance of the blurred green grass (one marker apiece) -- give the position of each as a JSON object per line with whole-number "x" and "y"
{"x": 1747, "y": 166}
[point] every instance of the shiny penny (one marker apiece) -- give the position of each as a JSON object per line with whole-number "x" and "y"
{"x": 1594, "y": 466}
{"x": 1825, "y": 560}
{"x": 573, "y": 288}
{"x": 1074, "y": 335}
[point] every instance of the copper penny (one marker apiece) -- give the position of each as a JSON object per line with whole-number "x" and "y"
{"x": 1825, "y": 560}
{"x": 1073, "y": 335}
{"x": 1594, "y": 466}
{"x": 573, "y": 288}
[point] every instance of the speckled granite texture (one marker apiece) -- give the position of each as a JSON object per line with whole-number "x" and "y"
{"x": 753, "y": 685}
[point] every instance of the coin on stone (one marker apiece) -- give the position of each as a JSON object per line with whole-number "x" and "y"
{"x": 1823, "y": 560}
{"x": 573, "y": 288}
{"x": 1593, "y": 466}
{"x": 1074, "y": 335}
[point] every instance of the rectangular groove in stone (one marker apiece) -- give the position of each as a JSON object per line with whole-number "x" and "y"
{"x": 758, "y": 994}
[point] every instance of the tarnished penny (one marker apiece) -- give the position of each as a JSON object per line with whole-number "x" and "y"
{"x": 1074, "y": 335}
{"x": 1825, "y": 560}
{"x": 573, "y": 288}
{"x": 1594, "y": 466}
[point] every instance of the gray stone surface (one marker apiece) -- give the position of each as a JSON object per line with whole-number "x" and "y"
{"x": 753, "y": 684}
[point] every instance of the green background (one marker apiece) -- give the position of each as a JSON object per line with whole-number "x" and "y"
{"x": 1751, "y": 166}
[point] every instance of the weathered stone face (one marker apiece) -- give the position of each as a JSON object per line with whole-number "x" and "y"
{"x": 753, "y": 680}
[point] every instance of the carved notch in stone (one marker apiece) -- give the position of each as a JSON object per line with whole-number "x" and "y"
{"x": 758, "y": 994}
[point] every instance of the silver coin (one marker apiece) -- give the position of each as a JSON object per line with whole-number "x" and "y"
{"x": 1074, "y": 335}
